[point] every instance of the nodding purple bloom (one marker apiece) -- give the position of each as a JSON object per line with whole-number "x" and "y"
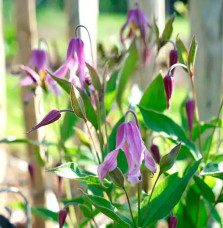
{"x": 155, "y": 152}
{"x": 129, "y": 140}
{"x": 31, "y": 169}
{"x": 190, "y": 114}
{"x": 169, "y": 88}
{"x": 173, "y": 58}
{"x": 51, "y": 117}
{"x": 36, "y": 71}
{"x": 75, "y": 63}
{"x": 62, "y": 217}
{"x": 172, "y": 221}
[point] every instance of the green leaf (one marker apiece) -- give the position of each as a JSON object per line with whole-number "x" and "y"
{"x": 213, "y": 169}
{"x": 160, "y": 123}
{"x": 95, "y": 78}
{"x": 168, "y": 160}
{"x": 13, "y": 139}
{"x": 77, "y": 103}
{"x": 82, "y": 136}
{"x": 155, "y": 92}
{"x": 192, "y": 56}
{"x": 108, "y": 209}
{"x": 167, "y": 32}
{"x": 204, "y": 189}
{"x": 156, "y": 29}
{"x": 126, "y": 72}
{"x": 166, "y": 195}
{"x": 111, "y": 91}
{"x": 181, "y": 51}
{"x": 70, "y": 170}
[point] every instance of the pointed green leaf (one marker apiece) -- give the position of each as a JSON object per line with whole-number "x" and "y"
{"x": 167, "y": 32}
{"x": 181, "y": 51}
{"x": 192, "y": 56}
{"x": 213, "y": 169}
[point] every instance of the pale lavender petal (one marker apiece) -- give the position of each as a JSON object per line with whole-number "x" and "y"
{"x": 71, "y": 49}
{"x": 62, "y": 71}
{"x": 109, "y": 164}
{"x": 29, "y": 96}
{"x": 31, "y": 73}
{"x": 53, "y": 86}
{"x": 121, "y": 136}
{"x": 135, "y": 175}
{"x": 39, "y": 59}
{"x": 26, "y": 81}
{"x": 149, "y": 161}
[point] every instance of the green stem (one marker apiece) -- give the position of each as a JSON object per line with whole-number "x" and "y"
{"x": 198, "y": 212}
{"x": 212, "y": 135}
{"x": 150, "y": 197}
{"x": 139, "y": 204}
{"x": 130, "y": 209}
{"x": 196, "y": 112}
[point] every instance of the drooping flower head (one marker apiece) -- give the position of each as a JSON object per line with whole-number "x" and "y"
{"x": 62, "y": 217}
{"x": 155, "y": 152}
{"x": 169, "y": 87}
{"x": 129, "y": 140}
{"x": 173, "y": 58}
{"x": 190, "y": 114}
{"x": 172, "y": 221}
{"x": 75, "y": 63}
{"x": 36, "y": 73}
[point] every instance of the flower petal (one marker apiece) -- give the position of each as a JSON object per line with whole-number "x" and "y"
{"x": 39, "y": 59}
{"x": 149, "y": 161}
{"x": 26, "y": 81}
{"x": 31, "y": 73}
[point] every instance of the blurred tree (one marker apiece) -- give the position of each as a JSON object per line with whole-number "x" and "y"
{"x": 26, "y": 32}
{"x": 206, "y": 25}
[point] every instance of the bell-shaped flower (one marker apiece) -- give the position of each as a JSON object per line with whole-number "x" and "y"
{"x": 62, "y": 217}
{"x": 75, "y": 63}
{"x": 169, "y": 88}
{"x": 36, "y": 71}
{"x": 189, "y": 105}
{"x": 129, "y": 140}
{"x": 51, "y": 117}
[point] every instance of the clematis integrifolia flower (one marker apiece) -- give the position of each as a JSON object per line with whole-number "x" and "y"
{"x": 129, "y": 140}
{"x": 169, "y": 87}
{"x": 189, "y": 105}
{"x": 75, "y": 63}
{"x": 172, "y": 221}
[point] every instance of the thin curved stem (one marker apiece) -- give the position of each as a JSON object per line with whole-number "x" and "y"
{"x": 135, "y": 117}
{"x": 66, "y": 110}
{"x": 82, "y": 26}
{"x": 130, "y": 209}
{"x": 176, "y": 65}
{"x": 212, "y": 135}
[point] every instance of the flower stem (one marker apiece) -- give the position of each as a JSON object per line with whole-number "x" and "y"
{"x": 130, "y": 209}
{"x": 139, "y": 204}
{"x": 212, "y": 135}
{"x": 89, "y": 131}
{"x": 150, "y": 196}
{"x": 196, "y": 111}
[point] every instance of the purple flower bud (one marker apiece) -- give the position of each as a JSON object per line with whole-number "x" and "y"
{"x": 31, "y": 169}
{"x": 190, "y": 114}
{"x": 155, "y": 152}
{"x": 172, "y": 221}
{"x": 169, "y": 88}
{"x": 173, "y": 58}
{"x": 51, "y": 117}
{"x": 62, "y": 217}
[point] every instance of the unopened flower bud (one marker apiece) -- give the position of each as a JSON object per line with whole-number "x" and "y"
{"x": 172, "y": 221}
{"x": 31, "y": 169}
{"x": 169, "y": 88}
{"x": 190, "y": 114}
{"x": 155, "y": 152}
{"x": 173, "y": 58}
{"x": 51, "y": 117}
{"x": 117, "y": 177}
{"x": 62, "y": 217}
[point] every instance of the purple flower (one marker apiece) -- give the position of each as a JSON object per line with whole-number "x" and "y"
{"x": 155, "y": 152}
{"x": 129, "y": 140}
{"x": 173, "y": 58}
{"x": 36, "y": 71}
{"x": 75, "y": 63}
{"x": 172, "y": 221}
{"x": 169, "y": 88}
{"x": 62, "y": 217}
{"x": 51, "y": 117}
{"x": 190, "y": 114}
{"x": 138, "y": 24}
{"x": 31, "y": 169}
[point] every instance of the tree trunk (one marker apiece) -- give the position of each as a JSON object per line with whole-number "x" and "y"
{"x": 206, "y": 25}
{"x": 26, "y": 32}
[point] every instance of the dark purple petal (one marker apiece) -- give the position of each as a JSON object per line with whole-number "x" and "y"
{"x": 173, "y": 58}
{"x": 190, "y": 113}
{"x": 62, "y": 217}
{"x": 51, "y": 117}
{"x": 109, "y": 164}
{"x": 71, "y": 49}
{"x": 31, "y": 73}
{"x": 169, "y": 88}
{"x": 155, "y": 152}
{"x": 172, "y": 222}
{"x": 39, "y": 59}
